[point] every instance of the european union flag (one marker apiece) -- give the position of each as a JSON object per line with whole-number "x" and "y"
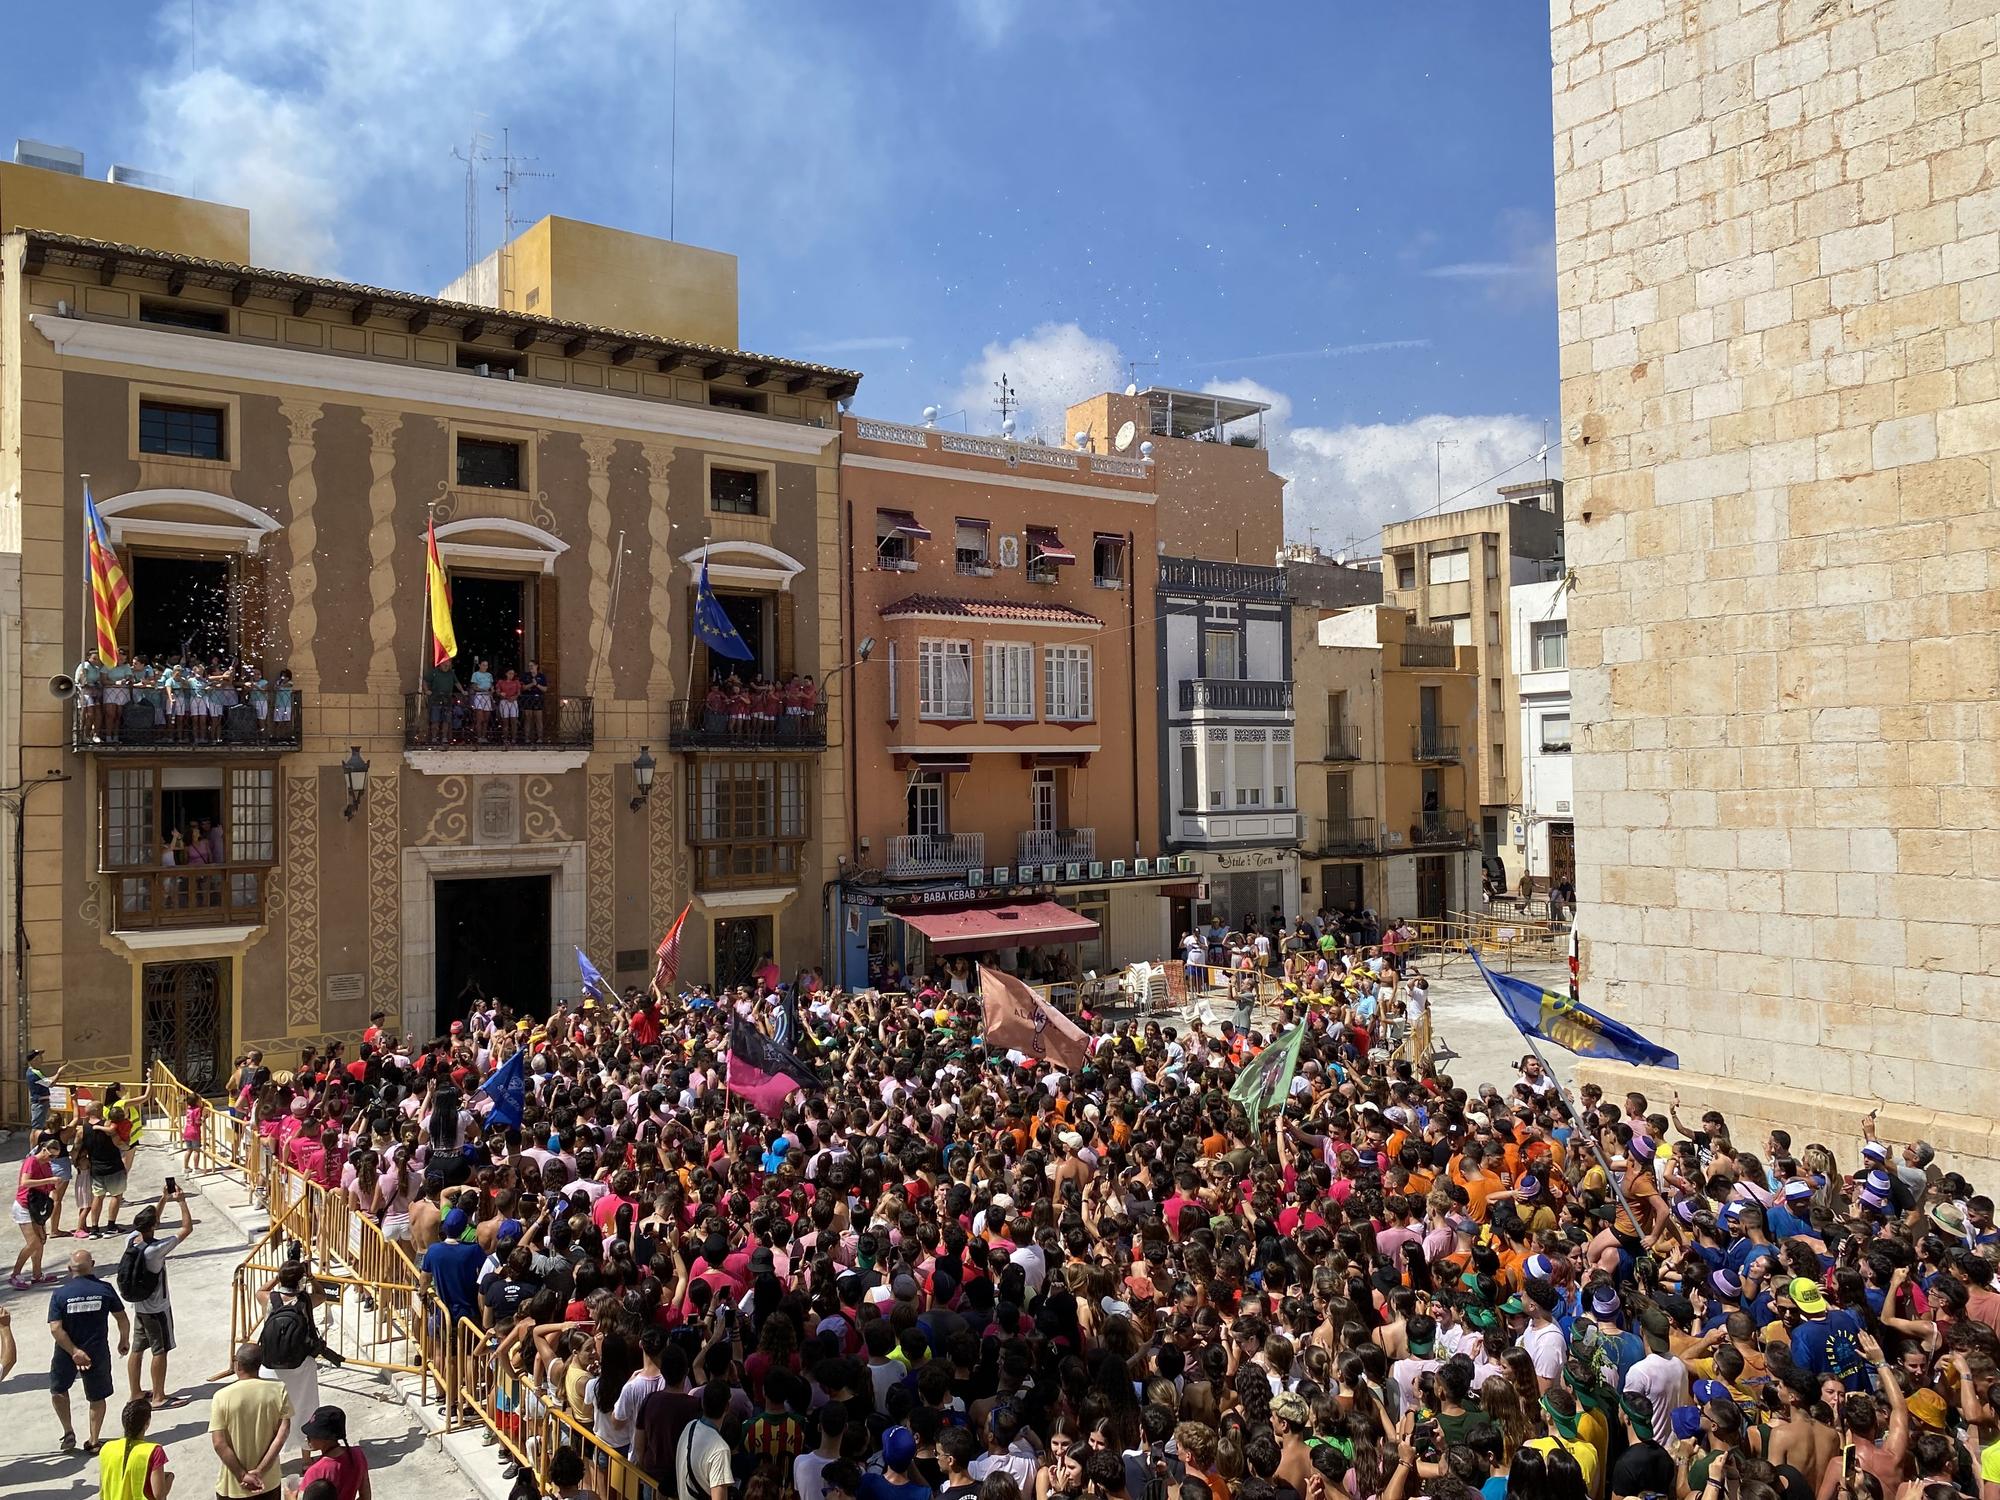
{"x": 712, "y": 625}
{"x": 508, "y": 1090}
{"x": 593, "y": 982}
{"x": 1570, "y": 1024}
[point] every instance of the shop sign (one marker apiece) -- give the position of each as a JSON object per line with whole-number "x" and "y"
{"x": 959, "y": 895}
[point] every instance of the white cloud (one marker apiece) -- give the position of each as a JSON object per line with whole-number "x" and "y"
{"x": 333, "y": 121}
{"x": 1051, "y": 367}
{"x": 1348, "y": 482}
{"x": 990, "y": 22}
{"x": 1525, "y": 270}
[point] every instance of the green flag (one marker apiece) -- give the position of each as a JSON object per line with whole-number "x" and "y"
{"x": 1268, "y": 1078}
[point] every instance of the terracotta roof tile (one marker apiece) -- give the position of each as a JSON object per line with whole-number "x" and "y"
{"x": 987, "y": 609}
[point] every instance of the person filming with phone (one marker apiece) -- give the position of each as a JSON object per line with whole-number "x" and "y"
{"x": 142, "y": 1282}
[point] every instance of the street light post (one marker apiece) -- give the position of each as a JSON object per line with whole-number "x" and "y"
{"x": 15, "y": 799}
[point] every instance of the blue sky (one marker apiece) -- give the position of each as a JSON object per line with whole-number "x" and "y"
{"x": 1343, "y": 208}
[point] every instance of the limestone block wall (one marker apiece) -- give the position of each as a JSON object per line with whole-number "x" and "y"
{"x": 1778, "y": 255}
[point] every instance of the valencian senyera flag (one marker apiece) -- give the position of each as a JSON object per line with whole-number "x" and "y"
{"x": 444, "y": 640}
{"x": 1267, "y": 1078}
{"x": 1570, "y": 1024}
{"x": 763, "y": 1071}
{"x": 1017, "y": 1017}
{"x": 712, "y": 625}
{"x": 110, "y": 594}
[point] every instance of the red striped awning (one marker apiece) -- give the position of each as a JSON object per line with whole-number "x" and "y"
{"x": 1026, "y": 924}
{"x": 1044, "y": 540}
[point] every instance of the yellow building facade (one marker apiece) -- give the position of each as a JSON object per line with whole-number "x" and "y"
{"x": 268, "y": 451}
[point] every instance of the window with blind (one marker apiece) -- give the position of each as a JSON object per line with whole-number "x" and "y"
{"x": 1066, "y": 682}
{"x": 944, "y": 679}
{"x": 747, "y": 820}
{"x": 1010, "y": 680}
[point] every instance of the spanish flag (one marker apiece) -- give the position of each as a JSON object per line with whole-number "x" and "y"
{"x": 111, "y": 595}
{"x": 444, "y": 640}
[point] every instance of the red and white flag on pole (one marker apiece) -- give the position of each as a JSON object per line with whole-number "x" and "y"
{"x": 669, "y": 953}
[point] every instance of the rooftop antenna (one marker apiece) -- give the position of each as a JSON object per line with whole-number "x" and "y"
{"x": 510, "y": 175}
{"x": 1009, "y": 401}
{"x": 474, "y": 153}
{"x": 1544, "y": 455}
{"x": 1132, "y": 369}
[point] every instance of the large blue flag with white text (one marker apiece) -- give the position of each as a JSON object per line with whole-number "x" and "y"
{"x": 1570, "y": 1024}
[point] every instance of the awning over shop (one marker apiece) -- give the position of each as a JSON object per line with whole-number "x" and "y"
{"x": 1045, "y": 541}
{"x": 1027, "y": 924}
{"x": 901, "y": 522}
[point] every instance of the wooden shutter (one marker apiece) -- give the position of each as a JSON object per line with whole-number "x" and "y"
{"x": 548, "y": 634}
{"x": 786, "y": 636}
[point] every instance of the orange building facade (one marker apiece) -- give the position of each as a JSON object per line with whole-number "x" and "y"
{"x": 1005, "y": 716}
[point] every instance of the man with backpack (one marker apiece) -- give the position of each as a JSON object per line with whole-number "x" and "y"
{"x": 142, "y": 1282}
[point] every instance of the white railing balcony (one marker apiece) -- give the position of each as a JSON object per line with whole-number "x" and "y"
{"x": 1057, "y": 846}
{"x": 925, "y": 856}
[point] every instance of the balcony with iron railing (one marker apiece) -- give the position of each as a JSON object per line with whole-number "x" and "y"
{"x": 1056, "y": 846}
{"x": 934, "y": 856}
{"x": 1434, "y": 742}
{"x": 1438, "y": 829}
{"x": 734, "y": 866}
{"x": 435, "y": 722}
{"x": 1342, "y": 743}
{"x": 144, "y": 730}
{"x": 1200, "y": 575}
{"x": 691, "y": 725}
{"x": 1234, "y": 695}
{"x": 1346, "y": 835}
{"x": 187, "y": 896}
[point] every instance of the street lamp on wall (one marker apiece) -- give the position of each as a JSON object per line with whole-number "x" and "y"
{"x": 643, "y": 766}
{"x": 355, "y": 771}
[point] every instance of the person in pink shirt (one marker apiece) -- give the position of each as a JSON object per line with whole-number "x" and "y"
{"x": 623, "y": 1186}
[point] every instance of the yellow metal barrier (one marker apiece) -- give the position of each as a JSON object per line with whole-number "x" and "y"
{"x": 376, "y": 1315}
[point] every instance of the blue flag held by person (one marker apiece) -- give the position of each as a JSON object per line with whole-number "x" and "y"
{"x": 593, "y": 982}
{"x": 508, "y": 1089}
{"x": 1570, "y": 1024}
{"x": 712, "y": 625}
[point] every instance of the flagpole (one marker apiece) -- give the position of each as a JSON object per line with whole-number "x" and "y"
{"x": 610, "y": 612}
{"x": 694, "y": 635}
{"x": 89, "y": 580}
{"x": 1596, "y": 1148}
{"x": 428, "y": 634}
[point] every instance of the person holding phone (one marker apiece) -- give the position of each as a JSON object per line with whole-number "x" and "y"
{"x": 142, "y": 1281}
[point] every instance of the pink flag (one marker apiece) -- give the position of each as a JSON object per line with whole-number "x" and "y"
{"x": 1019, "y": 1018}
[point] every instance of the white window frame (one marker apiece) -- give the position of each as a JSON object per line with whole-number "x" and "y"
{"x": 1043, "y": 802}
{"x": 944, "y": 679}
{"x": 1067, "y": 686}
{"x": 1540, "y": 634}
{"x": 1454, "y": 566}
{"x": 1009, "y": 680}
{"x": 1555, "y": 745}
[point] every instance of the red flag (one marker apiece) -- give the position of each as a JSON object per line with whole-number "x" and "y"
{"x": 1019, "y": 1018}
{"x": 669, "y": 953}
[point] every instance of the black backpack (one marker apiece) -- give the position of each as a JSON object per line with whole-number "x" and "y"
{"x": 136, "y": 1280}
{"x": 288, "y": 1337}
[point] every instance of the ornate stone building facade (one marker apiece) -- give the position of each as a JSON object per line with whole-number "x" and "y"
{"x": 268, "y": 450}
{"x": 1776, "y": 253}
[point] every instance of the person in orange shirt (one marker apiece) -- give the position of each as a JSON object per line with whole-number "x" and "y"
{"x": 1482, "y": 1187}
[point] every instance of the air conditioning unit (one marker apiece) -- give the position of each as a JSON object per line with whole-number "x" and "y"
{"x": 65, "y": 159}
{"x": 1117, "y": 869}
{"x": 1142, "y": 867}
{"x": 1002, "y": 874}
{"x": 133, "y": 177}
{"x": 1097, "y": 869}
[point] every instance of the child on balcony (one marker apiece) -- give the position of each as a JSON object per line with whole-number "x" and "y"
{"x": 89, "y": 678}
{"x": 281, "y": 706}
{"x": 117, "y": 693}
{"x": 260, "y": 698}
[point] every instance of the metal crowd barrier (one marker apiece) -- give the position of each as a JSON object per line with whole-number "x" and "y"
{"x": 376, "y": 1315}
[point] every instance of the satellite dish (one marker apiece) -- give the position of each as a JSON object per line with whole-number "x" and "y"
{"x": 1132, "y": 389}
{"x": 1340, "y": 559}
{"x": 1125, "y": 435}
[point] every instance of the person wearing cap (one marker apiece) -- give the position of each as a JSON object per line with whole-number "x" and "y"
{"x": 154, "y": 1313}
{"x": 1826, "y": 1341}
{"x": 1659, "y": 1379}
{"x": 451, "y": 1267}
{"x": 895, "y": 1481}
{"x": 332, "y": 1458}
{"x": 1786, "y": 1218}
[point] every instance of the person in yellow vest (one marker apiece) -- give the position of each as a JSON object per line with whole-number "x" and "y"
{"x": 129, "y": 1467}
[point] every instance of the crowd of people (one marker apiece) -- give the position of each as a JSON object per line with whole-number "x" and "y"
{"x": 181, "y": 700}
{"x": 945, "y": 1272}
